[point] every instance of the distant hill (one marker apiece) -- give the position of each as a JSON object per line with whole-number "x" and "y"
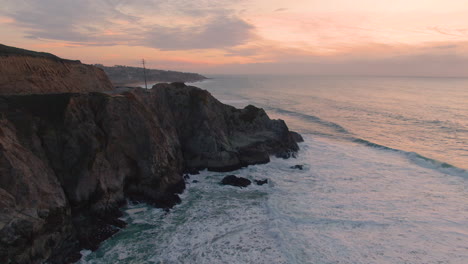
{"x": 125, "y": 75}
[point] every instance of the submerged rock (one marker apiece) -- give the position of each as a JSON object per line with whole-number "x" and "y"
{"x": 297, "y": 167}
{"x": 236, "y": 181}
{"x": 261, "y": 182}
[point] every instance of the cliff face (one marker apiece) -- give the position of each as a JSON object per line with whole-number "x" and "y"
{"x": 220, "y": 137}
{"x": 68, "y": 161}
{"x": 34, "y": 214}
{"x": 31, "y": 75}
{"x": 29, "y": 72}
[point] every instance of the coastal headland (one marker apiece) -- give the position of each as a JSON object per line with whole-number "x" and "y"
{"x": 70, "y": 159}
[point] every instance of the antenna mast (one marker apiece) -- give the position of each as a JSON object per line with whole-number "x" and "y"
{"x": 144, "y": 72}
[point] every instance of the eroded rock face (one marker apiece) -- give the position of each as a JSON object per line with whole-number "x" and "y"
{"x": 69, "y": 161}
{"x": 38, "y": 75}
{"x": 218, "y": 136}
{"x": 79, "y": 156}
{"x": 34, "y": 213}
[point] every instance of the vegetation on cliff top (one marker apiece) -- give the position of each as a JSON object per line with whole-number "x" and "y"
{"x": 12, "y": 51}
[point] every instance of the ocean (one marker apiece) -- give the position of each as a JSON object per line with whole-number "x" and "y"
{"x": 384, "y": 180}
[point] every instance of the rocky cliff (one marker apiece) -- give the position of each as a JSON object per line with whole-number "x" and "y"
{"x": 69, "y": 161}
{"x": 29, "y": 72}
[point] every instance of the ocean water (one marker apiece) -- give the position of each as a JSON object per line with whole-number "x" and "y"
{"x": 384, "y": 181}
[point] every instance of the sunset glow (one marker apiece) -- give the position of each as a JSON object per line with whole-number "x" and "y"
{"x": 220, "y": 36}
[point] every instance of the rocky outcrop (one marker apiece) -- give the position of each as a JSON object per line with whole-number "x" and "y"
{"x": 233, "y": 180}
{"x": 28, "y": 72}
{"x": 69, "y": 161}
{"x": 297, "y": 137}
{"x": 34, "y": 212}
{"x": 220, "y": 137}
{"x": 261, "y": 182}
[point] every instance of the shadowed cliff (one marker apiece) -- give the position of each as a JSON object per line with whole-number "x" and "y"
{"x": 69, "y": 161}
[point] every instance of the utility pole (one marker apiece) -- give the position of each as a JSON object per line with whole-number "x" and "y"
{"x": 144, "y": 72}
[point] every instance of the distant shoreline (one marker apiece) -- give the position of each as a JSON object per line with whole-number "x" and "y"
{"x": 151, "y": 83}
{"x": 121, "y": 75}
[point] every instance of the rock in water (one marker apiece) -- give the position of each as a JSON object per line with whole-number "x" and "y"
{"x": 261, "y": 182}
{"x": 236, "y": 181}
{"x": 297, "y": 167}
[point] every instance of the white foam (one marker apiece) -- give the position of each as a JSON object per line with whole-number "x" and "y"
{"x": 350, "y": 204}
{"x": 135, "y": 210}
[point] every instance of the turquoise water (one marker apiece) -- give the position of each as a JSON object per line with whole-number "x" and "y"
{"x": 384, "y": 181}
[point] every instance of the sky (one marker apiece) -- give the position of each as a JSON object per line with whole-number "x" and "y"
{"x": 323, "y": 37}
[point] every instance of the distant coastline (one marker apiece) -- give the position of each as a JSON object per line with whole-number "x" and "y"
{"x": 132, "y": 76}
{"x": 152, "y": 83}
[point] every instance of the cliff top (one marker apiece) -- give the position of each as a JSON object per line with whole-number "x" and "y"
{"x": 30, "y": 72}
{"x": 6, "y": 51}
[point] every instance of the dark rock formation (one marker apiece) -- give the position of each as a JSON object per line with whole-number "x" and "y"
{"x": 235, "y": 181}
{"x": 69, "y": 161}
{"x": 261, "y": 182}
{"x": 29, "y": 72}
{"x": 297, "y": 137}
{"x": 219, "y": 137}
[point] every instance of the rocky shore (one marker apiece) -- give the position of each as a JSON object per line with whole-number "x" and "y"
{"x": 68, "y": 161}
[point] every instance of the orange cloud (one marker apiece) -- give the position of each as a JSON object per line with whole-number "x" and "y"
{"x": 120, "y": 21}
{"x": 109, "y": 32}
{"x": 174, "y": 35}
{"x": 51, "y": 45}
{"x": 6, "y": 20}
{"x": 328, "y": 33}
